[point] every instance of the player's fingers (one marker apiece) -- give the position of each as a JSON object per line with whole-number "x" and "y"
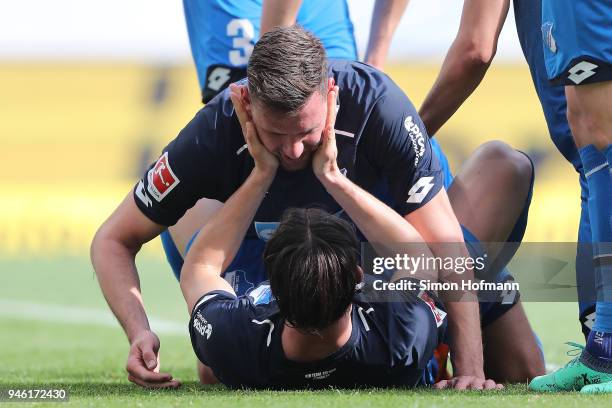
{"x": 251, "y": 137}
{"x": 240, "y": 113}
{"x": 146, "y": 384}
{"x": 499, "y": 386}
{"x": 440, "y": 385}
{"x": 332, "y": 97}
{"x": 151, "y": 377}
{"x": 329, "y": 135}
{"x": 236, "y": 97}
{"x": 140, "y": 372}
{"x": 461, "y": 383}
{"x": 489, "y": 385}
{"x": 149, "y": 358}
{"x": 475, "y": 384}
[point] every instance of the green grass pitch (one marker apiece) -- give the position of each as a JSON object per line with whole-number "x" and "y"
{"x": 56, "y": 332}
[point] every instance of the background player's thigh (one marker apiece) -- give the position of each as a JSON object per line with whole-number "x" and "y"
{"x": 589, "y": 113}
{"x": 490, "y": 191}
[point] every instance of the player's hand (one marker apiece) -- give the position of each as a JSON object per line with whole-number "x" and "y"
{"x": 324, "y": 162}
{"x": 264, "y": 160}
{"x": 467, "y": 382}
{"x": 143, "y": 363}
{"x": 241, "y": 112}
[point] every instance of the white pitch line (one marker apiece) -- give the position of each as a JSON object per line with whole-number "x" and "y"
{"x": 79, "y": 315}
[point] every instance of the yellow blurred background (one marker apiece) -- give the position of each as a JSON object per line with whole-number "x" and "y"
{"x": 75, "y": 138}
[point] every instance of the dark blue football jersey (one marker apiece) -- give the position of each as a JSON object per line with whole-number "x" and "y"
{"x": 391, "y": 343}
{"x": 382, "y": 146}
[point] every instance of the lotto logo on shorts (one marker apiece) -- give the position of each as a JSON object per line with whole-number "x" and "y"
{"x": 161, "y": 178}
{"x": 582, "y": 71}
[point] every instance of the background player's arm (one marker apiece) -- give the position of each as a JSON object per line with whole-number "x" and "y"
{"x": 385, "y": 18}
{"x": 113, "y": 253}
{"x": 278, "y": 13}
{"x": 466, "y": 62}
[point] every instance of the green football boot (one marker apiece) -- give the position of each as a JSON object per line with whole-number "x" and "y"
{"x": 603, "y": 388}
{"x": 583, "y": 370}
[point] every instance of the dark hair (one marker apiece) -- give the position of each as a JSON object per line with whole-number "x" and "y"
{"x": 312, "y": 261}
{"x": 287, "y": 66}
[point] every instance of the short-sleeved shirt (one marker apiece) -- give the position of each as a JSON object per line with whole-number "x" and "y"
{"x": 391, "y": 342}
{"x": 382, "y": 146}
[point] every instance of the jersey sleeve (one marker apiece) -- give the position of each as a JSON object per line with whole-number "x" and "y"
{"x": 418, "y": 324}
{"x": 396, "y": 143}
{"x": 217, "y": 328}
{"x": 188, "y": 169}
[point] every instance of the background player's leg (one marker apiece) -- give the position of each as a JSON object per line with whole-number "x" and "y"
{"x": 589, "y": 112}
{"x": 510, "y": 348}
{"x": 221, "y": 35}
{"x": 582, "y": 30}
{"x": 585, "y": 273}
{"x": 590, "y": 117}
{"x": 528, "y": 15}
{"x": 489, "y": 195}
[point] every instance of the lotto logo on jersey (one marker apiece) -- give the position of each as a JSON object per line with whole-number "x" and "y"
{"x": 438, "y": 314}
{"x": 420, "y": 189}
{"x": 161, "y": 178}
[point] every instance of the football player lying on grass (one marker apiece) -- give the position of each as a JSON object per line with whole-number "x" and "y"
{"x": 318, "y": 322}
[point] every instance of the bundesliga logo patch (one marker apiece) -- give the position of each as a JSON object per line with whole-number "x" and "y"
{"x": 438, "y": 314}
{"x": 161, "y": 179}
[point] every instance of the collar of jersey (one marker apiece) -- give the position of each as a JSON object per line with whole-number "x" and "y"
{"x": 336, "y": 355}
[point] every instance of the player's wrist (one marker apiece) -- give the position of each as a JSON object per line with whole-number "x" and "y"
{"x": 470, "y": 373}
{"x": 137, "y": 334}
{"x": 263, "y": 176}
{"x": 332, "y": 178}
{"x": 468, "y": 367}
